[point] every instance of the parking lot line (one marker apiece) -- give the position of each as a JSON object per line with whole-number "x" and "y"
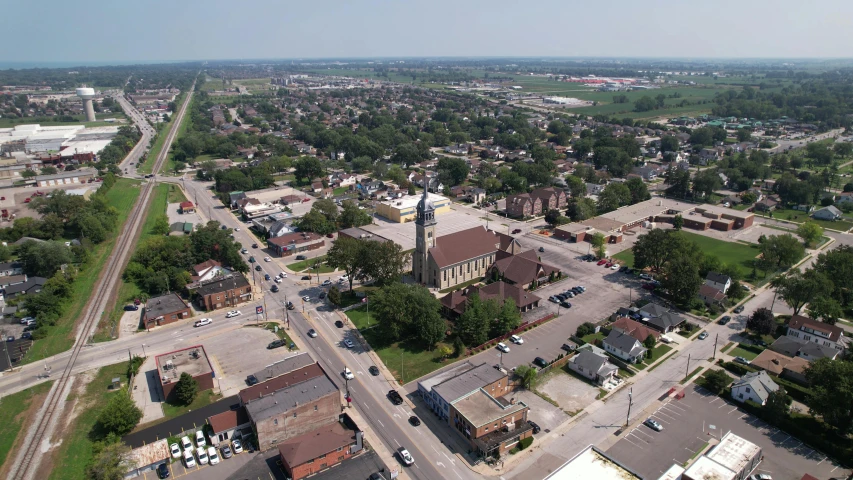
{"x": 667, "y": 416}
{"x": 632, "y": 443}
{"x": 676, "y": 407}
{"x": 732, "y": 410}
{"x": 637, "y": 430}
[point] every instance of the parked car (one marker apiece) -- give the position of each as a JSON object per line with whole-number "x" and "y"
{"x": 275, "y": 344}
{"x": 615, "y": 266}
{"x": 554, "y": 299}
{"x": 131, "y": 308}
{"x": 163, "y": 470}
{"x": 395, "y": 397}
{"x": 760, "y": 476}
{"x": 516, "y": 340}
{"x": 201, "y": 453}
{"x": 601, "y": 262}
{"x": 26, "y": 320}
{"x": 536, "y": 428}
{"x": 212, "y": 456}
{"x": 565, "y": 304}
{"x": 175, "y": 450}
{"x": 203, "y": 322}
{"x": 646, "y": 276}
{"x": 373, "y": 370}
{"x": 274, "y": 288}
{"x": 26, "y": 336}
{"x": 251, "y": 380}
{"x": 738, "y": 309}
{"x": 742, "y": 360}
{"x": 199, "y": 439}
{"x": 267, "y": 277}
{"x": 703, "y": 335}
{"x": 327, "y": 283}
{"x": 567, "y": 347}
{"x": 405, "y": 456}
{"x": 540, "y": 362}
{"x": 186, "y": 444}
{"x": 312, "y": 333}
{"x": 10, "y": 338}
{"x": 322, "y": 295}
{"x": 339, "y": 324}
{"x": 502, "y": 347}
{"x": 277, "y": 279}
{"x": 237, "y": 446}
{"x": 517, "y": 230}
{"x": 653, "y": 424}
{"x": 301, "y": 257}
{"x": 226, "y": 451}
{"x": 726, "y": 319}
{"x": 306, "y": 298}
{"x": 347, "y": 373}
{"x": 189, "y": 460}
{"x": 306, "y": 277}
{"x": 415, "y": 421}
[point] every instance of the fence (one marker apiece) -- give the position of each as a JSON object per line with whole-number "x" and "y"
{"x": 518, "y": 330}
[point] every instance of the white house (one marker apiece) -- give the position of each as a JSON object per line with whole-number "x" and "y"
{"x": 209, "y": 270}
{"x": 754, "y": 386}
{"x": 624, "y": 346}
{"x": 844, "y": 198}
{"x": 719, "y": 281}
{"x": 593, "y": 366}
{"x": 805, "y": 330}
{"x": 827, "y": 213}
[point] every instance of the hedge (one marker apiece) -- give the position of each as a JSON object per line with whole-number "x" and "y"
{"x": 750, "y": 348}
{"x": 736, "y": 368}
{"x": 525, "y": 442}
{"x": 795, "y": 391}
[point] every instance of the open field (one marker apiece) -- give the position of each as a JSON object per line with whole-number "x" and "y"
{"x": 78, "y": 120}
{"x": 122, "y": 196}
{"x": 17, "y": 408}
{"x": 404, "y": 359}
{"x": 731, "y": 253}
{"x": 797, "y": 216}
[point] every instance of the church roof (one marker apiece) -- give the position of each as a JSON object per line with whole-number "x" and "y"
{"x": 463, "y": 246}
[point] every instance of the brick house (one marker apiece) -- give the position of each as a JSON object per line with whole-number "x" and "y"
{"x": 523, "y": 205}
{"x": 320, "y": 449}
{"x": 295, "y": 242}
{"x": 165, "y": 309}
{"x": 223, "y": 292}
{"x": 551, "y": 198}
{"x": 191, "y": 360}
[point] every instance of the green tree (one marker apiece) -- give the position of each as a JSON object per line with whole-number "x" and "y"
{"x": 644, "y": 104}
{"x": 678, "y": 222}
{"x": 335, "y": 296}
{"x": 743, "y": 135}
{"x": 508, "y": 319}
{"x": 682, "y": 279}
{"x": 307, "y": 168}
{"x": 826, "y": 309}
{"x": 347, "y": 254}
{"x": 668, "y": 143}
{"x": 656, "y": 248}
{"x": 716, "y": 380}
{"x": 832, "y": 393}
{"x": 526, "y": 376}
{"x": 554, "y": 218}
{"x": 800, "y": 288}
{"x": 120, "y": 415}
{"x": 43, "y": 259}
{"x": 161, "y": 225}
{"x": 575, "y": 186}
{"x": 706, "y": 182}
{"x": 761, "y": 321}
{"x": 678, "y": 181}
{"x": 843, "y": 149}
{"x": 384, "y": 262}
{"x": 778, "y": 405}
{"x": 810, "y": 232}
{"x": 584, "y": 329}
{"x": 352, "y": 216}
{"x": 650, "y": 342}
{"x": 452, "y": 171}
{"x": 781, "y": 251}
{"x": 599, "y": 244}
{"x": 408, "y": 310}
{"x": 111, "y": 462}
{"x": 179, "y": 167}
{"x": 581, "y": 209}
{"x": 639, "y": 190}
{"x": 186, "y": 389}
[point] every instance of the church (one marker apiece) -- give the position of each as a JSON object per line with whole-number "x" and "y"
{"x": 446, "y": 261}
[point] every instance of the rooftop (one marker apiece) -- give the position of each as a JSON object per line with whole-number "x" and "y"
{"x": 593, "y": 463}
{"x": 283, "y": 400}
{"x": 705, "y": 468}
{"x": 295, "y": 238}
{"x": 799, "y": 322}
{"x": 149, "y": 454}
{"x": 164, "y": 305}
{"x": 467, "y": 382}
{"x": 328, "y": 438}
{"x": 646, "y": 209}
{"x": 411, "y": 201}
{"x": 278, "y": 382}
{"x": 228, "y": 420}
{"x": 431, "y": 382}
{"x": 223, "y": 284}
{"x": 192, "y": 360}
{"x": 289, "y": 364}
{"x": 464, "y": 245}
{"x": 720, "y": 211}
{"x": 480, "y": 408}
{"x": 734, "y": 452}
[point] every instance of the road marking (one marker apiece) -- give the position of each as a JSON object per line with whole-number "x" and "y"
{"x": 460, "y": 476}
{"x": 732, "y": 410}
{"x": 632, "y": 443}
{"x": 672, "y": 405}
{"x": 433, "y": 447}
{"x": 398, "y": 443}
{"x": 380, "y": 423}
{"x": 440, "y": 464}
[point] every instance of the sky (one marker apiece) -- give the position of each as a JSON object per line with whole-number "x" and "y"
{"x": 104, "y": 31}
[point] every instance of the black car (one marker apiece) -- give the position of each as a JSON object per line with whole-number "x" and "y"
{"x": 26, "y": 336}
{"x": 251, "y": 380}
{"x": 623, "y": 269}
{"x": 275, "y": 344}
{"x": 322, "y": 295}
{"x": 540, "y": 362}
{"x": 306, "y": 277}
{"x": 301, "y": 257}
{"x": 738, "y": 309}
{"x": 339, "y": 324}
{"x": 395, "y": 397}
{"x": 258, "y": 268}
{"x": 373, "y": 370}
{"x": 131, "y": 308}
{"x": 565, "y": 304}
{"x": 274, "y": 288}
{"x": 725, "y": 320}
{"x": 163, "y": 470}
{"x": 415, "y": 421}
{"x": 254, "y": 245}
{"x": 290, "y": 306}
{"x": 567, "y": 347}
{"x": 536, "y": 428}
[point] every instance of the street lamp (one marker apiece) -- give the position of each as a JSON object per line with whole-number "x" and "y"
{"x": 630, "y": 402}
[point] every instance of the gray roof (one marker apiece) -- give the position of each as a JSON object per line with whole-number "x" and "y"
{"x": 11, "y": 266}
{"x": 831, "y": 209}
{"x": 222, "y": 284}
{"x": 283, "y": 400}
{"x": 786, "y": 346}
{"x": 164, "y": 305}
{"x": 428, "y": 383}
{"x": 660, "y": 316}
{"x": 589, "y": 361}
{"x": 31, "y": 282}
{"x": 289, "y": 364}
{"x": 760, "y": 383}
{"x": 624, "y": 343}
{"x": 816, "y": 351}
{"x": 467, "y": 382}
{"x": 717, "y": 277}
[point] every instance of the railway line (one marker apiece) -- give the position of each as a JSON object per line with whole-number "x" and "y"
{"x": 28, "y": 458}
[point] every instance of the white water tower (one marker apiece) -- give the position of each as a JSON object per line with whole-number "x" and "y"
{"x": 87, "y": 94}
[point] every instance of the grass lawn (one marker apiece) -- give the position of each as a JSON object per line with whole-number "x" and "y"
{"x": 12, "y": 414}
{"x": 406, "y": 360}
{"x": 659, "y": 351}
{"x": 801, "y": 217}
{"x": 75, "y": 451}
{"x": 349, "y": 298}
{"x": 281, "y": 333}
{"x": 692, "y": 374}
{"x": 360, "y": 319}
{"x": 201, "y": 400}
{"x": 626, "y": 257}
{"x": 740, "y": 352}
{"x": 303, "y": 264}
{"x": 60, "y": 338}
{"x": 462, "y": 285}
{"x": 592, "y": 337}
{"x": 340, "y": 191}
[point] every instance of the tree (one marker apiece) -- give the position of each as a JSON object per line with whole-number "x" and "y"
{"x": 810, "y": 232}
{"x": 508, "y": 319}
{"x": 335, "y": 296}
{"x": 832, "y": 393}
{"x": 121, "y": 415}
{"x": 526, "y": 375}
{"x": 473, "y": 325}
{"x": 682, "y": 279}
{"x": 779, "y": 251}
{"x": 639, "y": 190}
{"x": 352, "y": 216}
{"x": 761, "y": 321}
{"x": 111, "y": 462}
{"x": 644, "y": 104}
{"x": 575, "y": 186}
{"x": 161, "y": 225}
{"x": 48, "y": 171}
{"x": 716, "y": 380}
{"x": 650, "y": 342}
{"x": 452, "y": 171}
{"x": 800, "y": 288}
{"x": 743, "y": 135}
{"x": 384, "y": 262}
{"x": 307, "y": 168}
{"x": 186, "y": 389}
{"x": 826, "y": 309}
{"x": 408, "y": 310}
{"x": 706, "y": 182}
{"x": 581, "y": 209}
{"x": 43, "y": 259}
{"x": 347, "y": 254}
{"x": 584, "y": 329}
{"x": 654, "y": 249}
{"x": 554, "y": 218}
{"x": 778, "y": 405}
{"x": 678, "y": 181}
{"x": 599, "y": 244}
{"x": 843, "y": 149}
{"x": 668, "y": 143}
{"x": 678, "y": 222}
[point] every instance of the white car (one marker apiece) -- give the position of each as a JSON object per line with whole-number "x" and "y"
{"x": 516, "y": 340}
{"x": 646, "y": 276}
{"x": 237, "y": 446}
{"x": 282, "y": 275}
{"x": 343, "y": 278}
{"x": 244, "y": 250}
{"x": 405, "y": 456}
{"x": 236, "y": 229}
{"x": 267, "y": 259}
{"x": 348, "y": 343}
{"x": 186, "y": 444}
{"x": 189, "y": 460}
{"x": 277, "y": 279}
{"x": 616, "y": 266}
{"x": 347, "y": 373}
{"x": 326, "y": 283}
{"x": 199, "y": 439}
{"x": 26, "y": 320}
{"x": 306, "y": 298}
{"x": 502, "y": 347}
{"x": 233, "y": 313}
{"x": 212, "y": 456}
{"x": 202, "y": 455}
{"x": 176, "y": 450}
{"x": 203, "y": 322}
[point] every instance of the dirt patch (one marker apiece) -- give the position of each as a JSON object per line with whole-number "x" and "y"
{"x": 570, "y": 393}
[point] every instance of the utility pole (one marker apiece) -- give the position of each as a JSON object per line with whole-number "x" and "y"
{"x": 715, "y": 345}
{"x": 687, "y": 369}
{"x": 630, "y": 402}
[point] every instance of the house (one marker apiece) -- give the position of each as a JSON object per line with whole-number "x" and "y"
{"x": 805, "y": 330}
{"x": 521, "y": 269}
{"x": 458, "y": 149}
{"x": 646, "y": 173}
{"x": 229, "y": 425}
{"x": 719, "y": 281}
{"x": 831, "y": 213}
{"x": 11, "y": 268}
{"x": 594, "y": 188}
{"x": 794, "y": 347}
{"x": 321, "y": 448}
{"x": 208, "y": 271}
{"x": 624, "y": 346}
{"x": 523, "y": 205}
{"x": 165, "y": 309}
{"x": 706, "y": 156}
{"x": 755, "y": 387}
{"x": 220, "y": 292}
{"x": 660, "y": 318}
{"x": 31, "y": 285}
{"x": 593, "y": 366}
{"x": 710, "y": 295}
{"x": 846, "y": 197}
{"x": 472, "y": 194}
{"x": 235, "y": 197}
{"x": 724, "y": 179}
{"x": 779, "y": 365}
{"x": 279, "y": 228}
{"x": 187, "y": 207}
{"x": 766, "y": 204}
{"x": 550, "y": 198}
{"x": 634, "y": 328}
{"x": 7, "y": 280}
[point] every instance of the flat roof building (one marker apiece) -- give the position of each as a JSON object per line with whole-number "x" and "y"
{"x": 165, "y": 309}
{"x": 594, "y": 464}
{"x": 321, "y": 448}
{"x": 733, "y": 458}
{"x": 403, "y": 209}
{"x": 192, "y": 360}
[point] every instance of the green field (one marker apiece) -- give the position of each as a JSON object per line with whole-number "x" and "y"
{"x": 730, "y": 253}
{"x": 122, "y": 196}
{"x": 304, "y": 264}
{"x": 657, "y": 352}
{"x": 406, "y": 360}
{"x": 75, "y": 452}
{"x": 12, "y": 415}
{"x": 797, "y": 216}
{"x": 741, "y": 352}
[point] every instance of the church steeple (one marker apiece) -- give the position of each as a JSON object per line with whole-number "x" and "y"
{"x": 424, "y": 237}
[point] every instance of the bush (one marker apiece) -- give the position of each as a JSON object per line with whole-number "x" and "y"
{"x": 688, "y": 327}
{"x": 525, "y": 442}
{"x": 134, "y": 365}
{"x": 584, "y": 329}
{"x": 736, "y": 368}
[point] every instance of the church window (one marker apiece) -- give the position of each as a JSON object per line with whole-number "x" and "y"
{"x": 469, "y": 267}
{"x": 445, "y": 275}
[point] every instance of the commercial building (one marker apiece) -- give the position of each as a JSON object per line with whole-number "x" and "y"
{"x": 147, "y": 458}
{"x": 291, "y": 243}
{"x": 192, "y": 360}
{"x": 64, "y": 178}
{"x": 732, "y": 459}
{"x": 593, "y": 463}
{"x": 165, "y": 309}
{"x": 404, "y": 209}
{"x": 228, "y": 291}
{"x": 718, "y": 218}
{"x": 322, "y": 448}
{"x": 361, "y": 234}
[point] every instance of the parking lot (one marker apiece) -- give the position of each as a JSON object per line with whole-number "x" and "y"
{"x": 224, "y": 469}
{"x": 691, "y": 422}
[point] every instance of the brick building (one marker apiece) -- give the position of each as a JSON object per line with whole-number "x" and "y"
{"x": 165, "y": 309}
{"x": 192, "y": 360}
{"x": 550, "y": 198}
{"x": 523, "y": 205}
{"x": 224, "y": 292}
{"x": 320, "y": 449}
{"x": 291, "y": 243}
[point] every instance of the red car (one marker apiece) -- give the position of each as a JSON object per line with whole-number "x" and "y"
{"x": 608, "y": 264}
{"x": 649, "y": 286}
{"x": 601, "y": 262}
{"x": 306, "y": 200}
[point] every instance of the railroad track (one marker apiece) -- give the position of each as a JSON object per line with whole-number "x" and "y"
{"x": 28, "y": 459}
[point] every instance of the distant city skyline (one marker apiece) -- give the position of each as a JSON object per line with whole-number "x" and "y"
{"x": 97, "y": 32}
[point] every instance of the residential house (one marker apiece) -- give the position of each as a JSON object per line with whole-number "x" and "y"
{"x": 11, "y": 268}
{"x": 710, "y": 295}
{"x": 208, "y": 271}
{"x": 660, "y": 318}
{"x": 279, "y": 228}
{"x": 724, "y": 179}
{"x": 550, "y": 198}
{"x": 831, "y": 213}
{"x": 719, "y": 281}
{"x": 7, "y": 280}
{"x": 472, "y": 194}
{"x": 780, "y": 365}
{"x": 594, "y": 188}
{"x": 235, "y": 197}
{"x": 805, "y": 330}
{"x": 755, "y": 387}
{"x": 221, "y": 292}
{"x": 593, "y": 366}
{"x": 229, "y": 425}
{"x": 634, "y": 328}
{"x": 794, "y": 347}
{"x": 646, "y": 173}
{"x": 370, "y": 187}
{"x": 846, "y": 197}
{"x": 706, "y": 156}
{"x": 458, "y": 149}
{"x": 165, "y": 309}
{"x": 624, "y": 346}
{"x": 523, "y": 205}
{"x": 766, "y": 204}
{"x": 321, "y": 448}
{"x": 31, "y": 285}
